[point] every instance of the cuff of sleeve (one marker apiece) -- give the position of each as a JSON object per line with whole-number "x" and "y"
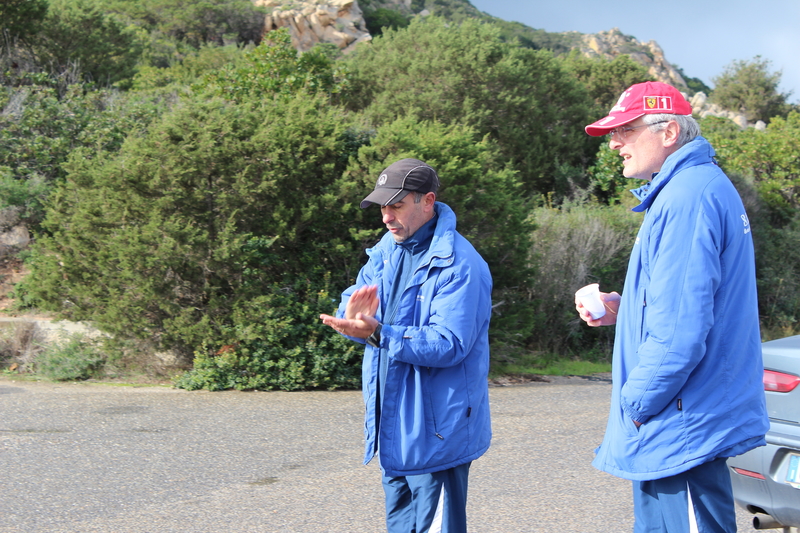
{"x": 375, "y": 338}
{"x": 634, "y": 415}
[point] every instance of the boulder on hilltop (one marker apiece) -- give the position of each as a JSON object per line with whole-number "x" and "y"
{"x": 340, "y": 22}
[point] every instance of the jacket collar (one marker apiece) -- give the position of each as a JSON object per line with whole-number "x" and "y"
{"x": 696, "y": 152}
{"x": 443, "y": 235}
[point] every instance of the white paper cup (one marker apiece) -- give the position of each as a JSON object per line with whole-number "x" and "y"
{"x": 589, "y": 296}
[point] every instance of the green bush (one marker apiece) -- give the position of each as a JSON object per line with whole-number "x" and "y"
{"x": 41, "y": 129}
{"x": 749, "y": 87}
{"x": 195, "y": 23}
{"x": 74, "y": 358}
{"x": 607, "y": 183}
{"x": 465, "y": 74}
{"x": 274, "y": 69}
{"x": 605, "y": 80}
{"x": 778, "y": 275}
{"x": 22, "y": 19}
{"x": 23, "y": 198}
{"x": 181, "y": 69}
{"x": 378, "y": 19}
{"x": 80, "y": 39}
{"x": 278, "y": 342}
{"x": 208, "y": 207}
{"x": 572, "y": 246}
{"x": 777, "y": 262}
{"x": 771, "y": 158}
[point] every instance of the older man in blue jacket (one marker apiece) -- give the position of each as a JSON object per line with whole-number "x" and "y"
{"x": 421, "y": 305}
{"x": 687, "y": 372}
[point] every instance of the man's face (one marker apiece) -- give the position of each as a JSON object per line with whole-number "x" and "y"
{"x": 643, "y": 151}
{"x": 405, "y": 217}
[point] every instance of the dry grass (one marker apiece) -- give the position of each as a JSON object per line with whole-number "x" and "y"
{"x": 20, "y": 343}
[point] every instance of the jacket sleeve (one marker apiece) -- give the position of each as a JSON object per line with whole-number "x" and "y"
{"x": 678, "y": 307}
{"x": 460, "y": 309}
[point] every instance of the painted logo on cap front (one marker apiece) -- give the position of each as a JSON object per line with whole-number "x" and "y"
{"x": 618, "y": 107}
{"x": 658, "y": 103}
{"x": 382, "y": 180}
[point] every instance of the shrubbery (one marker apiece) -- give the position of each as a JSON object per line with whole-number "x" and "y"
{"x": 74, "y": 358}
{"x": 750, "y": 88}
{"x": 278, "y": 342}
{"x": 40, "y": 130}
{"x": 522, "y": 98}
{"x": 215, "y": 203}
{"x": 574, "y": 245}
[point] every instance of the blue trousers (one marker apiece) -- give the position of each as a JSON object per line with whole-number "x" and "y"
{"x": 427, "y": 503}
{"x": 662, "y": 505}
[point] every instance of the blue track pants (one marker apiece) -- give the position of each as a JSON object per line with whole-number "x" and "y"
{"x": 427, "y": 503}
{"x": 702, "y": 494}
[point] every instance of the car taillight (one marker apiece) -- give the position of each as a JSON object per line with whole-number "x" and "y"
{"x": 780, "y": 382}
{"x": 748, "y": 473}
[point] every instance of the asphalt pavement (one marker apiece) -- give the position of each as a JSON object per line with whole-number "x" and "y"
{"x": 101, "y": 458}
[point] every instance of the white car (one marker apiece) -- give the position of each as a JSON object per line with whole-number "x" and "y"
{"x": 766, "y": 480}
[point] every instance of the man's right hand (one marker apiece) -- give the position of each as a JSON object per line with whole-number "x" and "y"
{"x": 610, "y": 301}
{"x": 364, "y": 300}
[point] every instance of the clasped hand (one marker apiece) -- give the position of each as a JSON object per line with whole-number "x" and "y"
{"x": 359, "y": 316}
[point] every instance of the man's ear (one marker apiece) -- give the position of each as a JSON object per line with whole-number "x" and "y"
{"x": 429, "y": 199}
{"x": 671, "y": 133}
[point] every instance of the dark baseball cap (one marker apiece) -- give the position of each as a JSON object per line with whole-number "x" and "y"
{"x": 401, "y": 178}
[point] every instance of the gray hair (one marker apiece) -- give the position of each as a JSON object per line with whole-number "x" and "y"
{"x": 687, "y": 125}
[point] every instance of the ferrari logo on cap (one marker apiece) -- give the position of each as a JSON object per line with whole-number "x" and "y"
{"x": 658, "y": 103}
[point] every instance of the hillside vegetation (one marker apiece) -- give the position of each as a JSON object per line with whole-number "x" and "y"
{"x": 192, "y": 186}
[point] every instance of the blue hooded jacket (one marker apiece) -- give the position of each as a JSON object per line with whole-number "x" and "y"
{"x": 435, "y": 409}
{"x": 687, "y": 356}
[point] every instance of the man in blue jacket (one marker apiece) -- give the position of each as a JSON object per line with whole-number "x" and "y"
{"x": 421, "y": 305}
{"x": 687, "y": 372}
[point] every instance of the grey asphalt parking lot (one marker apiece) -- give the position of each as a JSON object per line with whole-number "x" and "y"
{"x": 101, "y": 458}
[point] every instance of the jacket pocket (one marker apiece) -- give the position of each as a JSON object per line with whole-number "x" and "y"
{"x": 641, "y": 309}
{"x": 430, "y": 407}
{"x": 628, "y": 425}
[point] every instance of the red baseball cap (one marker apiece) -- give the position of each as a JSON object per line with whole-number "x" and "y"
{"x": 648, "y": 98}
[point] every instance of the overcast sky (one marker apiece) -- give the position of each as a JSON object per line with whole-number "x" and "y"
{"x": 701, "y": 37}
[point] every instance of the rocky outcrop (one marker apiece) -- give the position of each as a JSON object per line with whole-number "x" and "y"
{"x": 14, "y": 235}
{"x": 702, "y": 108}
{"x": 340, "y": 22}
{"x": 17, "y": 238}
{"x": 612, "y": 43}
